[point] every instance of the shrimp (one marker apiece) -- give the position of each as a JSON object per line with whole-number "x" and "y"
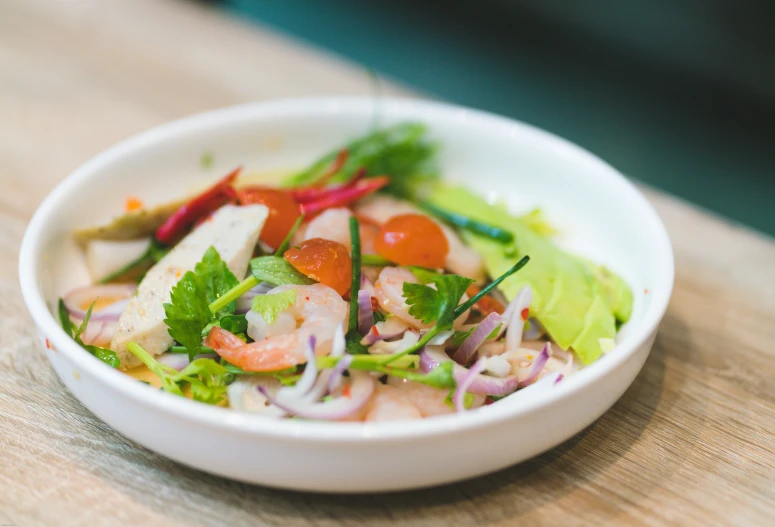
{"x": 429, "y": 400}
{"x": 334, "y": 224}
{"x": 389, "y": 291}
{"x": 317, "y": 313}
{"x": 390, "y": 404}
{"x": 461, "y": 259}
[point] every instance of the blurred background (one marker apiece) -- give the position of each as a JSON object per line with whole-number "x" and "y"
{"x": 679, "y": 94}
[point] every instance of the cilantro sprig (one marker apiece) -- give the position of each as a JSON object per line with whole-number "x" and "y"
{"x": 188, "y": 312}
{"x": 107, "y": 356}
{"x": 441, "y": 304}
{"x": 207, "y": 378}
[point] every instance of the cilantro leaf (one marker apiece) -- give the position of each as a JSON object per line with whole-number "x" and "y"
{"x": 353, "y": 343}
{"x": 188, "y": 313}
{"x": 107, "y": 356}
{"x": 207, "y": 378}
{"x": 275, "y": 270}
{"x": 269, "y": 306}
{"x": 429, "y": 304}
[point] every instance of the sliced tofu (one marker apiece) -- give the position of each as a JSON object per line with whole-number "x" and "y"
{"x": 232, "y": 230}
{"x": 106, "y": 257}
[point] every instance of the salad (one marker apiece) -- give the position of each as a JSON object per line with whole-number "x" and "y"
{"x": 362, "y": 288}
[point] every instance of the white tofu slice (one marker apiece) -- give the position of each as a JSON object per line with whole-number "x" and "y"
{"x": 232, "y": 230}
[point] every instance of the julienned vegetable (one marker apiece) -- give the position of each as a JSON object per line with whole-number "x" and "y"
{"x": 357, "y": 312}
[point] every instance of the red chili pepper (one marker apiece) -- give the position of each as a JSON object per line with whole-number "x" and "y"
{"x": 307, "y": 194}
{"x": 336, "y": 166}
{"x": 199, "y": 207}
{"x": 345, "y": 196}
{"x": 487, "y": 304}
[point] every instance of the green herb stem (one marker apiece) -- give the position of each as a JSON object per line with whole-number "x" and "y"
{"x": 287, "y": 241}
{"x": 355, "y": 240}
{"x": 465, "y": 306}
{"x": 233, "y": 294}
{"x": 375, "y": 260}
{"x": 413, "y": 348}
{"x": 464, "y": 222}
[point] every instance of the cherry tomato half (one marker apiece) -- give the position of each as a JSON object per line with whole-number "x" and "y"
{"x": 412, "y": 239}
{"x": 283, "y": 211}
{"x": 325, "y": 261}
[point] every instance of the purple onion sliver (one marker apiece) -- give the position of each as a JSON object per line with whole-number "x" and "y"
{"x": 86, "y": 295}
{"x": 389, "y": 328}
{"x": 362, "y": 386}
{"x": 310, "y": 372}
{"x": 465, "y": 353}
{"x": 515, "y": 322}
{"x": 559, "y": 378}
{"x": 481, "y": 385}
{"x": 538, "y": 365}
{"x": 335, "y": 379}
{"x": 365, "y": 314}
{"x": 464, "y": 384}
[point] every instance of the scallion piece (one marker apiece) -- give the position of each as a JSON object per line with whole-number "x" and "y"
{"x": 464, "y": 222}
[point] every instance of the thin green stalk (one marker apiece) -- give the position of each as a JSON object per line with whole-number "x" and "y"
{"x": 416, "y": 347}
{"x": 375, "y": 260}
{"x": 465, "y": 306}
{"x": 234, "y": 293}
{"x": 355, "y": 240}
{"x": 287, "y": 241}
{"x": 464, "y": 222}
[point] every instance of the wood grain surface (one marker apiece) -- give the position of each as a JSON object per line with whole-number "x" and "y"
{"x": 690, "y": 443}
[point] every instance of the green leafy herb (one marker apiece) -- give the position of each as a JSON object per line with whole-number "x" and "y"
{"x": 458, "y": 337}
{"x": 269, "y": 306}
{"x": 468, "y": 399}
{"x": 188, "y": 313}
{"x": 206, "y": 161}
{"x": 107, "y": 356}
{"x": 207, "y": 378}
{"x": 429, "y": 305}
{"x": 402, "y": 151}
{"x": 276, "y": 270}
{"x": 353, "y": 343}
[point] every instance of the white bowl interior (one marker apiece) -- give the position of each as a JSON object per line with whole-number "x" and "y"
{"x": 599, "y": 214}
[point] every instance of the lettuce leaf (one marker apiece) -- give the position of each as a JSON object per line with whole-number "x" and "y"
{"x": 576, "y": 302}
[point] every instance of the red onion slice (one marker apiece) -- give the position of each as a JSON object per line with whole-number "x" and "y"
{"x": 320, "y": 388}
{"x": 85, "y": 296}
{"x": 465, "y": 353}
{"x": 520, "y": 311}
{"x": 335, "y": 378}
{"x": 365, "y": 314}
{"x": 538, "y": 365}
{"x": 389, "y": 328}
{"x": 432, "y": 356}
{"x": 465, "y": 383}
{"x": 244, "y": 395}
{"x": 361, "y": 388}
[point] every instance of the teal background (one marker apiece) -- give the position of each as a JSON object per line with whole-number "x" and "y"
{"x": 676, "y": 99}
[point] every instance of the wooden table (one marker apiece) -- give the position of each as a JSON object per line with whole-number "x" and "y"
{"x": 690, "y": 443}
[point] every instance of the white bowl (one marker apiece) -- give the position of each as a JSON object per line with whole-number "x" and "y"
{"x": 600, "y": 214}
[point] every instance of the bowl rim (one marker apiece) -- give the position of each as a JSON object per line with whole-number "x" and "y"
{"x": 259, "y": 425}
